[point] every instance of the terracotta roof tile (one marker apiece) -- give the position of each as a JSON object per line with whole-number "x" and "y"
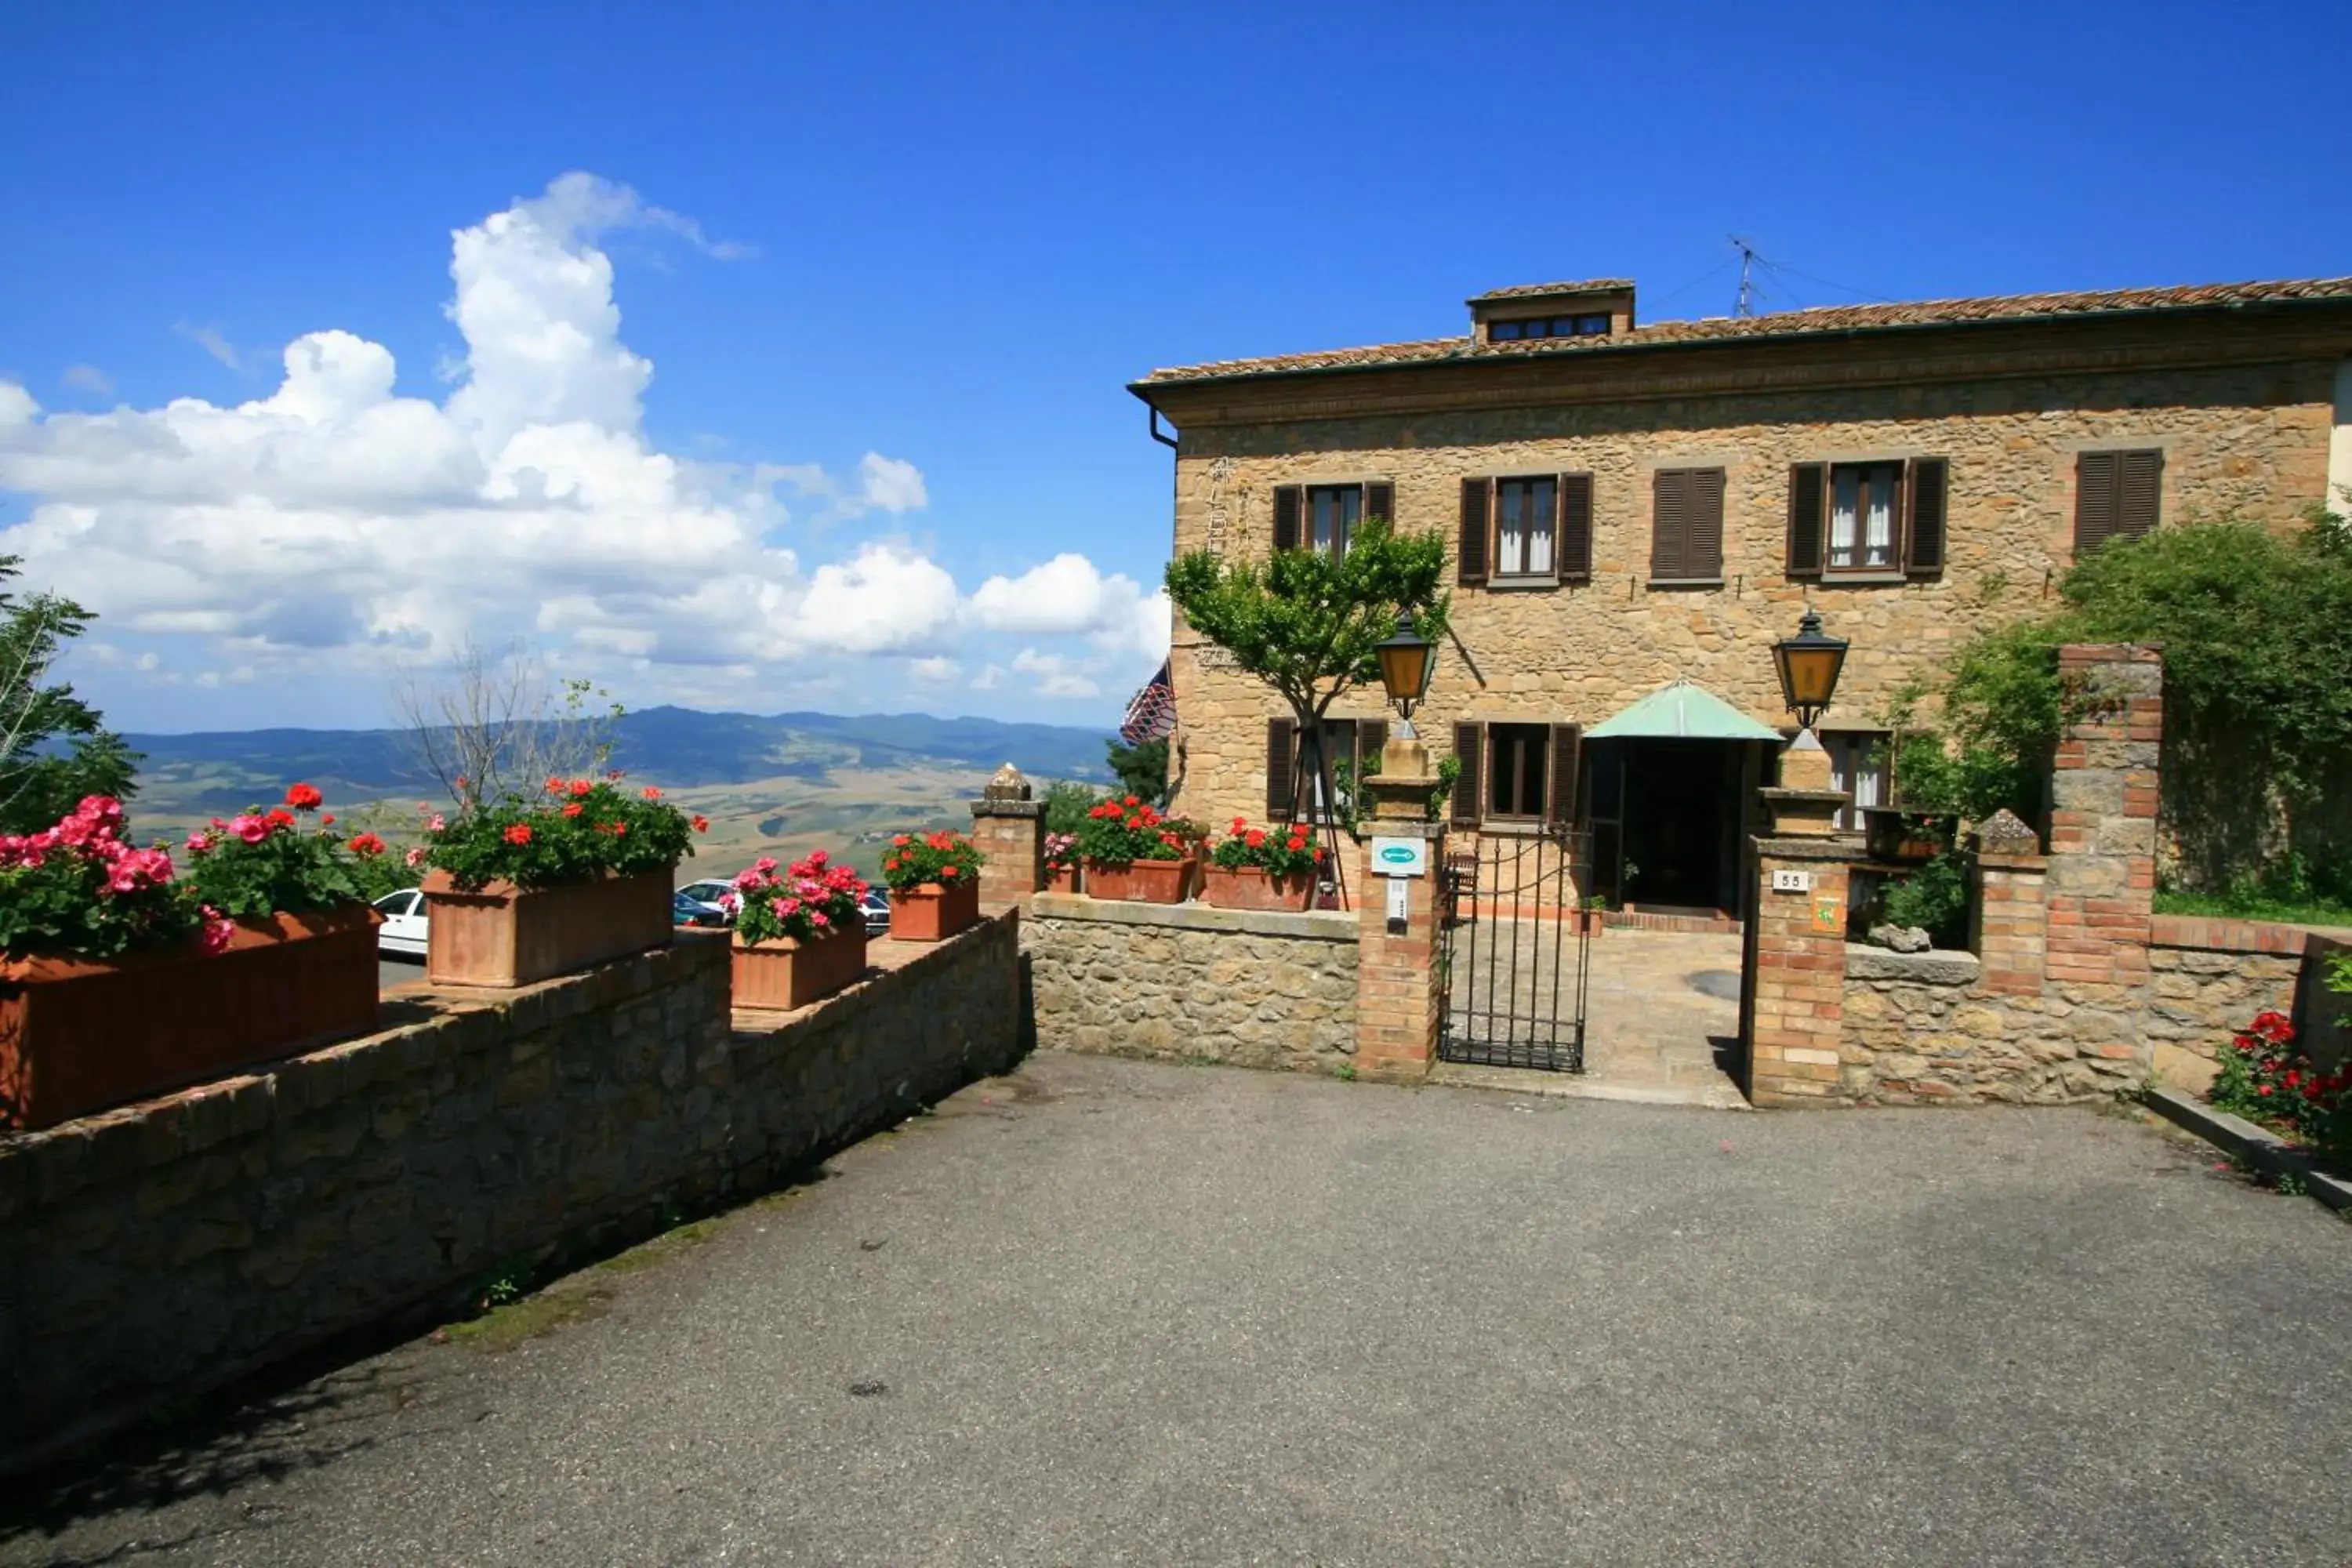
{"x": 1523, "y": 290}
{"x": 1782, "y": 324}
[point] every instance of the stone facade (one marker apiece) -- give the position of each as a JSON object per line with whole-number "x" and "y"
{"x": 1188, "y": 983}
{"x": 166, "y": 1248}
{"x": 2250, "y": 438}
{"x": 2213, "y": 976}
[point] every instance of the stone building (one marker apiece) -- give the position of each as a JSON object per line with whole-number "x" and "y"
{"x": 1631, "y": 506}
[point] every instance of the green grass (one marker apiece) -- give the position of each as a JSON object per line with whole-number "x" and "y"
{"x": 2252, "y": 906}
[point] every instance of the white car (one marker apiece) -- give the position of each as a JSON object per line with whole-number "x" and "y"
{"x": 708, "y": 892}
{"x": 405, "y": 924}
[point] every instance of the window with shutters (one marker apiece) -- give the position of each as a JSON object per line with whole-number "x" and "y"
{"x": 1686, "y": 527}
{"x": 1326, "y": 518}
{"x": 1857, "y": 767}
{"x": 2117, "y": 495}
{"x": 1296, "y": 759}
{"x": 1515, "y": 774}
{"x": 1534, "y": 529}
{"x": 1880, "y": 519}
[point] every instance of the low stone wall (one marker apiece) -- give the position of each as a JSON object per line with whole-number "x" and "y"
{"x": 158, "y": 1250}
{"x": 1924, "y": 1027}
{"x": 1182, "y": 982}
{"x": 2211, "y": 976}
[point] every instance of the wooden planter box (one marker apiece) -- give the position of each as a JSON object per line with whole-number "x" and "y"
{"x": 933, "y": 911}
{"x": 502, "y": 935}
{"x": 784, "y": 972}
{"x": 1140, "y": 881}
{"x": 81, "y": 1034}
{"x": 1061, "y": 879}
{"x": 1252, "y": 888}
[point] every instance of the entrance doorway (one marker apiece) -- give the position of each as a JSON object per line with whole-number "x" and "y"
{"x": 1667, "y": 820}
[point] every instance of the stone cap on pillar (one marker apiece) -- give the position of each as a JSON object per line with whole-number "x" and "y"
{"x": 2004, "y": 840}
{"x": 1007, "y": 793}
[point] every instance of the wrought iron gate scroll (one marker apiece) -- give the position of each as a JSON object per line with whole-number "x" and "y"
{"x": 1514, "y": 951}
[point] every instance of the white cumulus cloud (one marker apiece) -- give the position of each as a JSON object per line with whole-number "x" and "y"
{"x": 339, "y": 519}
{"x": 87, "y": 378}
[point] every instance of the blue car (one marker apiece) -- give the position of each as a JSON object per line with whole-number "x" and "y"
{"x": 685, "y": 912}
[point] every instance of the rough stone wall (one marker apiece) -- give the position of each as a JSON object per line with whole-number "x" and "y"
{"x": 2250, "y": 438}
{"x": 2213, "y": 976}
{"x": 157, "y": 1250}
{"x": 1186, "y": 982}
{"x": 1924, "y": 1027}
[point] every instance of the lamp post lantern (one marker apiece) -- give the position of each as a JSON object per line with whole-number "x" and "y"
{"x": 1407, "y": 660}
{"x": 1808, "y": 665}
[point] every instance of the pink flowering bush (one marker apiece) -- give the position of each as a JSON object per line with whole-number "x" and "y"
{"x": 80, "y": 889}
{"x": 278, "y": 861}
{"x": 807, "y": 900}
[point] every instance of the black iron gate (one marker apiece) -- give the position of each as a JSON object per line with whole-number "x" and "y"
{"x": 1514, "y": 951}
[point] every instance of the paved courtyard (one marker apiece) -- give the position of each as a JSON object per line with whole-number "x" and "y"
{"x": 1115, "y": 1312}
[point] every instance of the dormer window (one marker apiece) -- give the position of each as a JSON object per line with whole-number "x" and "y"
{"x": 1547, "y": 327}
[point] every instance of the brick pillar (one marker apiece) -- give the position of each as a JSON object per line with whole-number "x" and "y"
{"x": 1398, "y": 1004}
{"x": 2008, "y": 924}
{"x": 1793, "y": 984}
{"x": 2101, "y": 884}
{"x": 1010, "y": 829}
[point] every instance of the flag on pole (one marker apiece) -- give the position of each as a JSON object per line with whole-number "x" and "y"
{"x": 1152, "y": 713}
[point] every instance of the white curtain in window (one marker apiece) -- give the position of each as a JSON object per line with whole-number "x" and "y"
{"x": 1509, "y": 538}
{"x": 1845, "y": 506}
{"x": 1543, "y": 504}
{"x": 1881, "y": 519}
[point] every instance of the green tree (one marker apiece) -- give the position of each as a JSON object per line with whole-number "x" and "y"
{"x": 54, "y": 749}
{"x": 1141, "y": 770}
{"x": 1067, "y": 801}
{"x": 1306, "y": 623}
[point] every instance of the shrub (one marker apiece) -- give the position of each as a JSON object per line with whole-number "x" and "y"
{"x": 582, "y": 829}
{"x": 807, "y": 900}
{"x": 1279, "y": 852}
{"x": 1066, "y": 803}
{"x": 2265, "y": 1077}
{"x": 78, "y": 889}
{"x": 949, "y": 859}
{"x": 1935, "y": 898}
{"x": 266, "y": 862}
{"x": 1120, "y": 831}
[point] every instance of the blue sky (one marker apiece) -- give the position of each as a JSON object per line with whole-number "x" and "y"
{"x": 891, "y": 267}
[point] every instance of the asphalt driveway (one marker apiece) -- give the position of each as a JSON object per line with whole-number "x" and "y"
{"x": 1105, "y": 1312}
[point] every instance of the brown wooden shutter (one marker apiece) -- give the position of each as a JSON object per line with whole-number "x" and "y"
{"x": 1924, "y": 538}
{"x": 1286, "y": 517}
{"x": 1379, "y": 500}
{"x": 1572, "y": 543}
{"x": 1371, "y": 734}
{"x": 2095, "y": 499}
{"x": 1669, "y": 522}
{"x": 2139, "y": 487}
{"x": 1281, "y": 769}
{"x": 1469, "y": 744}
{"x": 1703, "y": 554}
{"x": 1808, "y": 518}
{"x": 1565, "y": 751}
{"x": 1471, "y": 551}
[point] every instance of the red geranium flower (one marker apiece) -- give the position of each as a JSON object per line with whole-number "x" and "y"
{"x": 702, "y": 825}
{"x": 581, "y": 787}
{"x": 518, "y": 833}
{"x": 574, "y": 809}
{"x": 367, "y": 844}
{"x": 302, "y": 796}
{"x": 651, "y": 792}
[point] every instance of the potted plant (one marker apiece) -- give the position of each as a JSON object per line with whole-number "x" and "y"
{"x": 525, "y": 889}
{"x": 934, "y": 886}
{"x": 799, "y": 931}
{"x": 120, "y": 978}
{"x": 1061, "y": 862}
{"x": 1131, "y": 852}
{"x": 1258, "y": 869}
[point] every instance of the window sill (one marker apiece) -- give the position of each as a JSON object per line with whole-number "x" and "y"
{"x": 1686, "y": 583}
{"x": 1521, "y": 584}
{"x": 1514, "y": 826}
{"x": 1864, "y": 579}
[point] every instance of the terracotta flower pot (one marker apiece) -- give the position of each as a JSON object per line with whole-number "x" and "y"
{"x": 785, "y": 973}
{"x": 81, "y": 1034}
{"x": 933, "y": 911}
{"x": 1253, "y": 888}
{"x": 503, "y": 935}
{"x": 1062, "y": 879}
{"x": 1139, "y": 881}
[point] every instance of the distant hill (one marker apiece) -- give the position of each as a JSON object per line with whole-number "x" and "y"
{"x": 681, "y": 747}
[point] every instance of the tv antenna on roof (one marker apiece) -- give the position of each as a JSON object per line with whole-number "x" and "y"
{"x": 1745, "y": 304}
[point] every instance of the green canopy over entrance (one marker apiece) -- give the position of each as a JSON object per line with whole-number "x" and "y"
{"x": 1682, "y": 712}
